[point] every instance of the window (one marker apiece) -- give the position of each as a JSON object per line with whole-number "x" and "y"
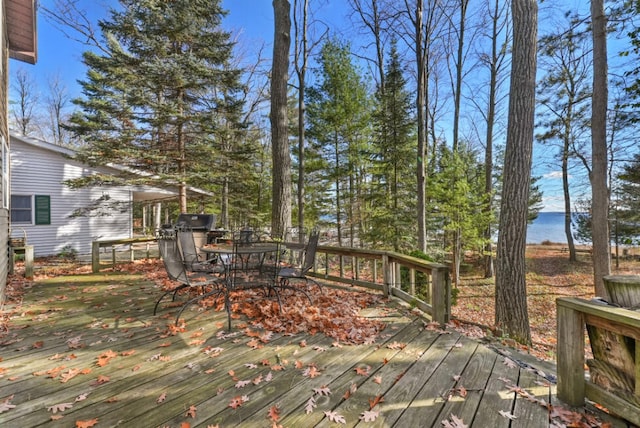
{"x": 21, "y": 209}
{"x": 27, "y": 209}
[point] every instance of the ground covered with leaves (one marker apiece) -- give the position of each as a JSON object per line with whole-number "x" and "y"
{"x": 549, "y": 275}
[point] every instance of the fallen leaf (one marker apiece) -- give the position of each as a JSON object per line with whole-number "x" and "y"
{"x": 191, "y": 413}
{"x": 510, "y": 363}
{"x": 161, "y": 398}
{"x": 86, "y": 424}
{"x": 323, "y": 390}
{"x": 508, "y": 415}
{"x": 105, "y": 357}
{"x": 363, "y": 371}
{"x": 373, "y": 402}
{"x": 6, "y": 405}
{"x": 59, "y": 407}
{"x": 396, "y": 345}
{"x": 377, "y": 379}
{"x": 237, "y": 401}
{"x": 242, "y": 383}
{"x": 369, "y": 415}
{"x": 100, "y": 380}
{"x": 274, "y": 413}
{"x": 311, "y": 372}
{"x": 454, "y": 422}
{"x": 335, "y": 417}
{"x": 352, "y": 389}
{"x": 311, "y": 404}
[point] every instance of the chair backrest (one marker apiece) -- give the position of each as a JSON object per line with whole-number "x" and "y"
{"x": 245, "y": 236}
{"x": 188, "y": 248}
{"x": 170, "y": 253}
{"x": 310, "y": 252}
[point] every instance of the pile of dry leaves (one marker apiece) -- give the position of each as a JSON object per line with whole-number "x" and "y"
{"x": 333, "y": 312}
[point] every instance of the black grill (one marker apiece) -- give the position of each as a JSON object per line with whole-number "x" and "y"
{"x": 197, "y": 222}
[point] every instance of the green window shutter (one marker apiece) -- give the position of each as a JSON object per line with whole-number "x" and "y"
{"x": 43, "y": 209}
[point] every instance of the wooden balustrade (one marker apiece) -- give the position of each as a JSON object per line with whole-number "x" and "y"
{"x": 392, "y": 273}
{"x": 114, "y": 243}
{"x": 573, "y": 387}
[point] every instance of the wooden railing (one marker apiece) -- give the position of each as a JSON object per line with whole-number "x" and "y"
{"x": 573, "y": 315}
{"x": 114, "y": 244}
{"x": 420, "y": 283}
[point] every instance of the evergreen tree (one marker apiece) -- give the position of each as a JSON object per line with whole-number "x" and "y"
{"x": 392, "y": 200}
{"x": 457, "y": 206}
{"x": 339, "y": 113}
{"x": 162, "y": 99}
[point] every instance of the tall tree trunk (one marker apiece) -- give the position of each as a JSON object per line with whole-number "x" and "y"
{"x": 567, "y": 196}
{"x": 281, "y": 204}
{"x": 301, "y": 56}
{"x": 488, "y": 154}
{"x": 599, "y": 187}
{"x": 422, "y": 130}
{"x": 511, "y": 290}
{"x": 182, "y": 170}
{"x": 457, "y": 96}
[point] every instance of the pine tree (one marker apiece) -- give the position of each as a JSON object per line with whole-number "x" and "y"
{"x": 338, "y": 113}
{"x": 163, "y": 98}
{"x": 392, "y": 199}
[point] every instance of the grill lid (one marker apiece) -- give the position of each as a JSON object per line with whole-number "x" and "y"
{"x": 196, "y": 221}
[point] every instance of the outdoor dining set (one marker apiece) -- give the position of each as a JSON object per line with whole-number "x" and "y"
{"x": 245, "y": 260}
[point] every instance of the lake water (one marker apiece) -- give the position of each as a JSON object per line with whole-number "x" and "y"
{"x": 549, "y": 226}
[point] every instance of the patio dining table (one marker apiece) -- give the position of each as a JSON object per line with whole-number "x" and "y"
{"x": 248, "y": 261}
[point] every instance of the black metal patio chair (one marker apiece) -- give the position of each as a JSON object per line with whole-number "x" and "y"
{"x": 176, "y": 270}
{"x": 193, "y": 260}
{"x": 288, "y": 274}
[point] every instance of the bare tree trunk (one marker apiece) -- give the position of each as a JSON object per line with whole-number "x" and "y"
{"x": 457, "y": 96}
{"x": 24, "y": 116}
{"x": 567, "y": 197}
{"x": 281, "y": 204}
{"x": 422, "y": 130}
{"x": 511, "y": 290}
{"x": 372, "y": 18}
{"x": 599, "y": 187}
{"x": 301, "y": 56}
{"x": 182, "y": 170}
{"x": 494, "y": 69}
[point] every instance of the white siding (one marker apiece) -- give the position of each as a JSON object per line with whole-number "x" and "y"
{"x": 37, "y": 171}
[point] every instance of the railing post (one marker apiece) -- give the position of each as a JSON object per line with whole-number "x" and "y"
{"x": 28, "y": 261}
{"x": 570, "y": 355}
{"x": 386, "y": 274}
{"x": 95, "y": 256}
{"x": 440, "y": 296}
{"x": 412, "y": 281}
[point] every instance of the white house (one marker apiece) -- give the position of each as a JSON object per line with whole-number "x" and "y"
{"x": 19, "y": 37}
{"x": 56, "y": 218}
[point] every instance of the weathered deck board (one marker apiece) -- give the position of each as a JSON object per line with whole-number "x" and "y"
{"x": 423, "y": 376}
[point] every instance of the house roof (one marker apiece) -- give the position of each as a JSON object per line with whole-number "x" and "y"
{"x": 140, "y": 193}
{"x": 21, "y": 29}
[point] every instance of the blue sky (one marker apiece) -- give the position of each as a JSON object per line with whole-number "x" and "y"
{"x": 252, "y": 21}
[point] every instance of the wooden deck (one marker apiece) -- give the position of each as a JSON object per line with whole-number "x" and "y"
{"x": 86, "y": 350}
